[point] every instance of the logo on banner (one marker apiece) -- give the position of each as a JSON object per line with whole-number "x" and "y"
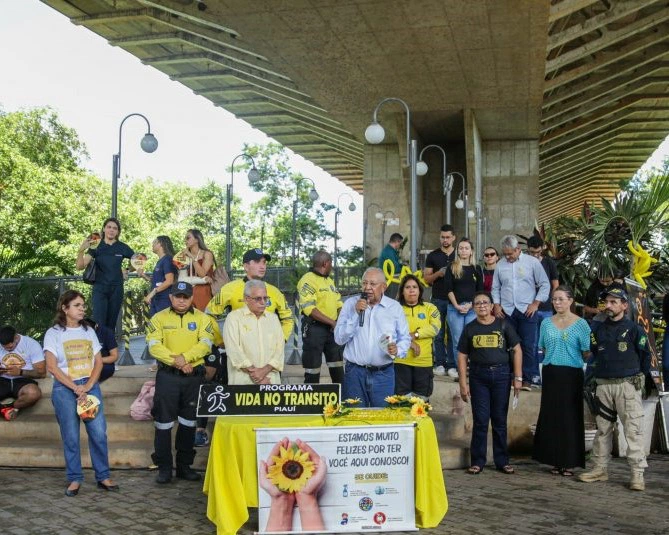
{"x": 379, "y": 518}
{"x": 365, "y": 503}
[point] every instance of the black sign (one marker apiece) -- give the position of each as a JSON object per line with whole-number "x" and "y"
{"x": 265, "y": 400}
{"x": 640, "y": 312}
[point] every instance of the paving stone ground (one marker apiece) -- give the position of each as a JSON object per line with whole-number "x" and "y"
{"x": 529, "y": 502}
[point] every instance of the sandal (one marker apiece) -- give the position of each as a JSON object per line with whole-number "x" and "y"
{"x": 566, "y": 472}
{"x": 474, "y": 470}
{"x": 507, "y": 469}
{"x": 556, "y": 471}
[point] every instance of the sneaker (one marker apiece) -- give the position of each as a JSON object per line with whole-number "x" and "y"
{"x": 9, "y": 413}
{"x": 187, "y": 473}
{"x": 527, "y": 387}
{"x": 636, "y": 482}
{"x": 452, "y": 372}
{"x": 596, "y": 474}
{"x": 164, "y": 475}
{"x": 201, "y": 438}
{"x": 535, "y": 386}
{"x": 439, "y": 370}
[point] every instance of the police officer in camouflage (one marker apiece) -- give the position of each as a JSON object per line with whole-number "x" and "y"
{"x": 620, "y": 361}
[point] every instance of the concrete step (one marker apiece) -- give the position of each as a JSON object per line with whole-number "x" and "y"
{"x": 49, "y": 454}
{"x": 115, "y": 404}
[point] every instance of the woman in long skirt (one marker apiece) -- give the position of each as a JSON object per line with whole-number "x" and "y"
{"x": 565, "y": 338}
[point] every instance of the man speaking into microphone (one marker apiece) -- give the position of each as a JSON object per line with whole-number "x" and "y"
{"x": 374, "y": 331}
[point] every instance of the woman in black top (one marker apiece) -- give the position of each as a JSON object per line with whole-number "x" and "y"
{"x": 490, "y": 258}
{"x": 485, "y": 342}
{"x": 463, "y": 279}
{"x": 109, "y": 254}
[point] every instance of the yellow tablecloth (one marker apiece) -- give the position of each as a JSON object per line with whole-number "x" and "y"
{"x": 231, "y": 481}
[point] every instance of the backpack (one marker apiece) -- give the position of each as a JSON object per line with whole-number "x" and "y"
{"x": 141, "y": 407}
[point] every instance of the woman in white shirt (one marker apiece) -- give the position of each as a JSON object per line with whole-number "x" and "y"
{"x": 72, "y": 353}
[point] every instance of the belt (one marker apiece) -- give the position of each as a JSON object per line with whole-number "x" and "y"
{"x": 372, "y": 368}
{"x": 488, "y": 366}
{"x": 197, "y": 370}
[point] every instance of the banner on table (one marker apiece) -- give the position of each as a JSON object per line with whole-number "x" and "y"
{"x": 336, "y": 479}
{"x": 640, "y": 312}
{"x": 265, "y": 400}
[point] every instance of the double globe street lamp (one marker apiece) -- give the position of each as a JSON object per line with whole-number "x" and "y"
{"x": 149, "y": 144}
{"x": 422, "y": 168}
{"x": 253, "y": 176}
{"x": 374, "y": 134}
{"x": 313, "y": 195}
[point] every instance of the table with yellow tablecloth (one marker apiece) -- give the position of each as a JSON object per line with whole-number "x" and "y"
{"x": 231, "y": 481}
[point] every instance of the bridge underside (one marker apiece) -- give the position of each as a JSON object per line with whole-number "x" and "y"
{"x": 560, "y": 99}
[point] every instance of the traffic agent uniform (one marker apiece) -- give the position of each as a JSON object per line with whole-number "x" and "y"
{"x": 191, "y": 335}
{"x": 318, "y": 291}
{"x": 621, "y": 360}
{"x": 414, "y": 374}
{"x": 231, "y": 297}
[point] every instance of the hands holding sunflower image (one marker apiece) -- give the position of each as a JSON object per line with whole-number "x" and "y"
{"x": 293, "y": 474}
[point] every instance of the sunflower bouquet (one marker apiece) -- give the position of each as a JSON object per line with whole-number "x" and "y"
{"x": 337, "y": 410}
{"x": 400, "y": 408}
{"x": 418, "y": 407}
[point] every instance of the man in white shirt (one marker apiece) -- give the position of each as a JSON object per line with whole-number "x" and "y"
{"x": 375, "y": 331}
{"x": 21, "y": 362}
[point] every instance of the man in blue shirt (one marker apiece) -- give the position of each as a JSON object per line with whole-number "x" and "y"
{"x": 371, "y": 348}
{"x": 519, "y": 286}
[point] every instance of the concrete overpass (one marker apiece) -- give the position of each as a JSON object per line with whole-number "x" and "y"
{"x": 541, "y": 104}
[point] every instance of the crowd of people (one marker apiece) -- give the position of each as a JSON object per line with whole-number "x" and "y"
{"x": 488, "y": 326}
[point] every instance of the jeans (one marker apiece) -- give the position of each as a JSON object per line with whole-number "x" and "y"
{"x": 371, "y": 387}
{"x": 527, "y": 331}
{"x": 443, "y": 353}
{"x": 489, "y": 388}
{"x": 65, "y": 406}
{"x": 456, "y": 324}
{"x": 107, "y": 299}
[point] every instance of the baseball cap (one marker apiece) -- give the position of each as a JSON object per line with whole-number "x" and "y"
{"x": 255, "y": 254}
{"x": 182, "y": 288}
{"x": 614, "y": 290}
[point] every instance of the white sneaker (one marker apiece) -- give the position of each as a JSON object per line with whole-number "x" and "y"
{"x": 452, "y": 372}
{"x": 439, "y": 370}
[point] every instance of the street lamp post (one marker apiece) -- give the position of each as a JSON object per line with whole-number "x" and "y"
{"x": 374, "y": 134}
{"x": 149, "y": 144}
{"x": 447, "y": 185}
{"x": 383, "y": 225}
{"x": 313, "y": 195}
{"x": 462, "y": 203}
{"x": 351, "y": 208}
{"x": 253, "y": 177}
{"x": 365, "y": 225}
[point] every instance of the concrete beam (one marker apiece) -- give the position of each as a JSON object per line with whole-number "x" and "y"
{"x": 189, "y": 14}
{"x": 608, "y": 39}
{"x": 567, "y": 7}
{"x": 616, "y": 11}
{"x": 603, "y": 60}
{"x": 641, "y": 149}
{"x": 574, "y": 178}
{"x": 269, "y": 93}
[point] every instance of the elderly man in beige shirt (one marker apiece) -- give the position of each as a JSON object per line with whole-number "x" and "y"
{"x": 253, "y": 340}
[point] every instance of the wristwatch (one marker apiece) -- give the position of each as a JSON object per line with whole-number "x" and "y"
{"x": 518, "y": 379}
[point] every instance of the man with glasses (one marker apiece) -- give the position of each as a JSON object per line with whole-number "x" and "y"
{"x": 231, "y": 296}
{"x": 519, "y": 286}
{"x": 436, "y": 264}
{"x": 375, "y": 332}
{"x": 254, "y": 340}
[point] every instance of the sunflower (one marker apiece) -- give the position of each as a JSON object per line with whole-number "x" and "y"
{"x": 352, "y": 401}
{"x": 415, "y": 399}
{"x": 331, "y": 409}
{"x": 418, "y": 411}
{"x": 392, "y": 400}
{"x": 291, "y": 469}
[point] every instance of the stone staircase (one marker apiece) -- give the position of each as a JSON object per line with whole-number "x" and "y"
{"x": 33, "y": 439}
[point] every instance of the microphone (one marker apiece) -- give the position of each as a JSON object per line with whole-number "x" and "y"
{"x": 361, "y": 314}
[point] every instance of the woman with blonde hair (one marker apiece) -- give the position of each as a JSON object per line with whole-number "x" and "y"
{"x": 463, "y": 279}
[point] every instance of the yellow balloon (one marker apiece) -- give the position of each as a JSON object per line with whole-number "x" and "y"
{"x": 389, "y": 272}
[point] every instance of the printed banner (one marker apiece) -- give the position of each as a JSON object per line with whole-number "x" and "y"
{"x": 336, "y": 479}
{"x": 265, "y": 400}
{"x": 640, "y": 313}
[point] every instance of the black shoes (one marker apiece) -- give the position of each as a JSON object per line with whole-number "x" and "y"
{"x": 164, "y": 476}
{"x": 71, "y": 493}
{"x": 110, "y": 488}
{"x": 187, "y": 473}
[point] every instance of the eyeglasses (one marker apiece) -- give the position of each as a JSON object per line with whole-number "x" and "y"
{"x": 482, "y": 303}
{"x": 370, "y": 284}
{"x": 260, "y": 299}
{"x": 487, "y": 255}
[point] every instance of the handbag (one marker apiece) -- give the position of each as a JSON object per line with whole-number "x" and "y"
{"x": 220, "y": 279}
{"x": 90, "y": 272}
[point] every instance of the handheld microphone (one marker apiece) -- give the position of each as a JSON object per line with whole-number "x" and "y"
{"x": 361, "y": 314}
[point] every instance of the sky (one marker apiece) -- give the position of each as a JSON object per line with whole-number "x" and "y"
{"x": 47, "y": 60}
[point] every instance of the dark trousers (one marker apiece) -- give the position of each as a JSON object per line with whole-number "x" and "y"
{"x": 527, "y": 331}
{"x": 489, "y": 387}
{"x": 443, "y": 352}
{"x": 175, "y": 399}
{"x": 107, "y": 299}
{"x": 318, "y": 339}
